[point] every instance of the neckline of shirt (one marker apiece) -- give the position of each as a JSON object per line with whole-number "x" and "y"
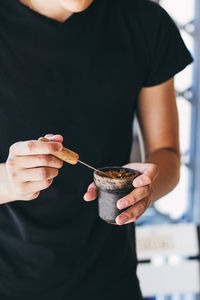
{"x": 42, "y": 17}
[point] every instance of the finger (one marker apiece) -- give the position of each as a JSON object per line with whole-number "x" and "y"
{"x": 55, "y": 137}
{"x": 140, "y": 167}
{"x": 34, "y": 147}
{"x": 135, "y": 196}
{"x": 91, "y": 193}
{"x": 28, "y": 188}
{"x": 91, "y": 186}
{"x": 132, "y": 213}
{"x": 38, "y": 174}
{"x": 149, "y": 173}
{"x": 33, "y": 161}
{"x": 31, "y": 196}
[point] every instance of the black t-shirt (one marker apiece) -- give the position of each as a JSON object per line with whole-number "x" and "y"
{"x": 80, "y": 78}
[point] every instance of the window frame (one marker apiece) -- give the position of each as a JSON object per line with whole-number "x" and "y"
{"x": 195, "y": 126}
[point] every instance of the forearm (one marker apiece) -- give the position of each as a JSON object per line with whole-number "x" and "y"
{"x": 168, "y": 162}
{"x": 5, "y": 190}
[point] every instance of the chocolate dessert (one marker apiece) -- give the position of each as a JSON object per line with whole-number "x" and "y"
{"x": 122, "y": 173}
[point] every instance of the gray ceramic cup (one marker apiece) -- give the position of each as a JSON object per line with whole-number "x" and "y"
{"x": 110, "y": 191}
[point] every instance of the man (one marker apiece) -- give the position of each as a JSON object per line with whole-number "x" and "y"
{"x": 81, "y": 69}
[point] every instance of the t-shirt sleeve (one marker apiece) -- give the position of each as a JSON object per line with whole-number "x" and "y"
{"x": 167, "y": 53}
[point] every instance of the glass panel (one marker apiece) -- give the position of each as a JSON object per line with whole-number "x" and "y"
{"x": 184, "y": 110}
{"x": 176, "y": 202}
{"x": 183, "y": 80}
{"x": 182, "y": 11}
{"x": 188, "y": 39}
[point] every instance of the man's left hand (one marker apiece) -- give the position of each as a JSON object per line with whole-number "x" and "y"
{"x": 139, "y": 199}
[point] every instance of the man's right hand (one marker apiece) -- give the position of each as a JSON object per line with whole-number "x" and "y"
{"x": 31, "y": 167}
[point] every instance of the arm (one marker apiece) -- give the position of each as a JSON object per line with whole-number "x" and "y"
{"x": 158, "y": 118}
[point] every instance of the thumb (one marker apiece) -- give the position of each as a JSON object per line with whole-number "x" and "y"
{"x": 148, "y": 172}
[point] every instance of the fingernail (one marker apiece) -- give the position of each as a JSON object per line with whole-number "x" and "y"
{"x": 123, "y": 219}
{"x": 85, "y": 197}
{"x": 138, "y": 182}
{"x": 53, "y": 136}
{"x": 122, "y": 204}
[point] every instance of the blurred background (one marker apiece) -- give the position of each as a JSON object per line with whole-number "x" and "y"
{"x": 168, "y": 233}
